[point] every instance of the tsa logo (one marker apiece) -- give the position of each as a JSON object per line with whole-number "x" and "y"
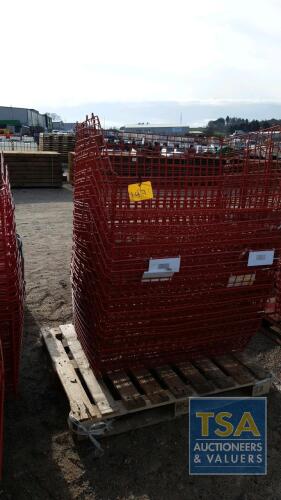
{"x": 227, "y": 436}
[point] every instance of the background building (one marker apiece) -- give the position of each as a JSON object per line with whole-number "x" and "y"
{"x": 148, "y": 128}
{"x": 64, "y": 127}
{"x": 23, "y": 120}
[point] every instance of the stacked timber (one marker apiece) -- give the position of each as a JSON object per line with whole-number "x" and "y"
{"x": 71, "y": 158}
{"x": 34, "y": 168}
{"x": 60, "y": 142}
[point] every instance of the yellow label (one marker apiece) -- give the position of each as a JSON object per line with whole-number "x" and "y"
{"x": 140, "y": 191}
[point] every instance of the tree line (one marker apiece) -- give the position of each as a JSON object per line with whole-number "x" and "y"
{"x": 229, "y": 125}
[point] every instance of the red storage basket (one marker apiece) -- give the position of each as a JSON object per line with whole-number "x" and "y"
{"x": 210, "y": 210}
{"x": 11, "y": 284}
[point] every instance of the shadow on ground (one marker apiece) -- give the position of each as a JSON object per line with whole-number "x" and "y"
{"x": 42, "y": 195}
{"x": 153, "y": 463}
{"x": 32, "y": 421}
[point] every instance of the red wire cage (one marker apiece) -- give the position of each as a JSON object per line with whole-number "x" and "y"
{"x": 2, "y": 395}
{"x": 211, "y": 211}
{"x": 11, "y": 284}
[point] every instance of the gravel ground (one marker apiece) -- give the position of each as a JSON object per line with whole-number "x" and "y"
{"x": 41, "y": 459}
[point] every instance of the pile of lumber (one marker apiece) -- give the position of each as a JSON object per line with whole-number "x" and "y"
{"x": 60, "y": 142}
{"x": 34, "y": 168}
{"x": 71, "y": 158}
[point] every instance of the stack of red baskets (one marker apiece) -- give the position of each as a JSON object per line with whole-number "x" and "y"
{"x": 11, "y": 285}
{"x": 186, "y": 273}
{"x": 2, "y": 395}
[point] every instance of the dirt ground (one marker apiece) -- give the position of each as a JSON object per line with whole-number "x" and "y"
{"x": 41, "y": 459}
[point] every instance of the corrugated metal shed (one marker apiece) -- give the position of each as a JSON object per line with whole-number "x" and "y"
{"x": 25, "y": 116}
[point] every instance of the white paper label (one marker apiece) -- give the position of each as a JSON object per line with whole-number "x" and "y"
{"x": 261, "y": 258}
{"x": 162, "y": 269}
{"x": 167, "y": 265}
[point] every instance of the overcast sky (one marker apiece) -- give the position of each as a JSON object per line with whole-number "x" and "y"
{"x": 62, "y": 55}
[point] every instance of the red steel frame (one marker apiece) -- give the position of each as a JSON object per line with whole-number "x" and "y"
{"x": 2, "y": 395}
{"x": 11, "y": 284}
{"x": 211, "y": 210}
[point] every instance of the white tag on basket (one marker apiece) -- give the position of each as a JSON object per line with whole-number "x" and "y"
{"x": 171, "y": 264}
{"x": 261, "y": 258}
{"x": 161, "y": 269}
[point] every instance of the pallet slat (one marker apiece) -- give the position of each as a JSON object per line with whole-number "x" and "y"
{"x": 215, "y": 374}
{"x": 128, "y": 392}
{"x": 195, "y": 378}
{"x": 150, "y": 386}
{"x": 237, "y": 371}
{"x": 177, "y": 387}
{"x": 81, "y": 407}
{"x": 78, "y": 354}
{"x": 255, "y": 368}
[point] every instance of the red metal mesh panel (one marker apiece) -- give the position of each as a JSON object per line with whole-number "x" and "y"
{"x": 209, "y": 209}
{"x": 11, "y": 284}
{"x": 2, "y": 394}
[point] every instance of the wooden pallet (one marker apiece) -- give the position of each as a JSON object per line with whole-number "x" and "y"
{"x": 141, "y": 397}
{"x": 34, "y": 168}
{"x": 71, "y": 157}
{"x": 62, "y": 143}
